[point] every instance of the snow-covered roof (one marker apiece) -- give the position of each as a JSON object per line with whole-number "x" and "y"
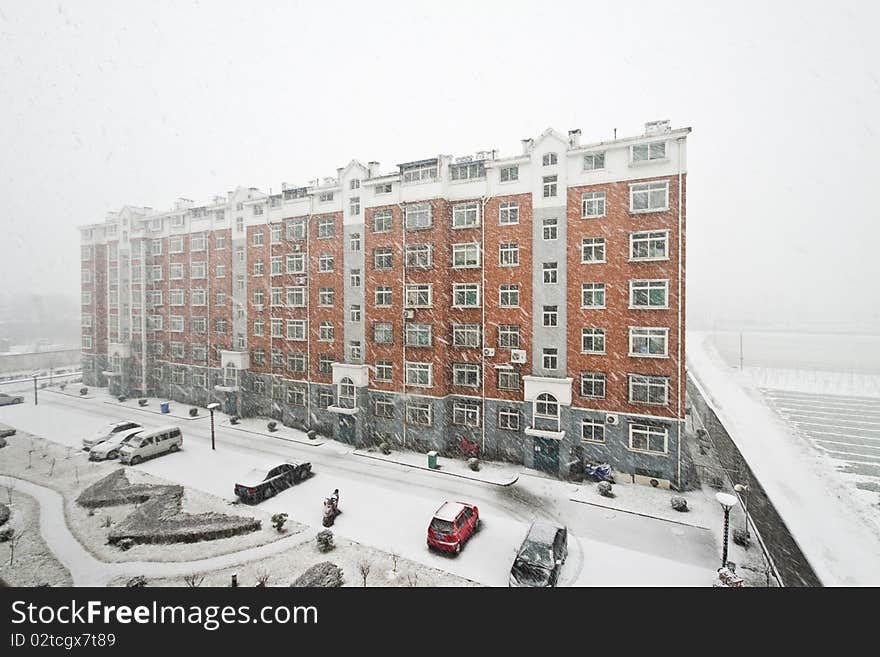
{"x": 543, "y": 532}
{"x": 449, "y": 511}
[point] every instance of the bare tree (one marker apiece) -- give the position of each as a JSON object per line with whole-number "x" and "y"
{"x": 9, "y": 486}
{"x": 262, "y": 577}
{"x": 14, "y": 538}
{"x": 194, "y": 580}
{"x": 412, "y": 579}
{"x": 52, "y": 468}
{"x": 394, "y": 559}
{"x": 364, "y": 567}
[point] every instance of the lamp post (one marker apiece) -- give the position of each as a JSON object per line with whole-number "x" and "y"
{"x": 35, "y": 388}
{"x": 743, "y": 490}
{"x": 727, "y": 502}
{"x": 213, "y": 406}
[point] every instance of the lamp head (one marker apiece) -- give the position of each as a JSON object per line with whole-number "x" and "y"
{"x": 213, "y": 406}
{"x": 726, "y": 500}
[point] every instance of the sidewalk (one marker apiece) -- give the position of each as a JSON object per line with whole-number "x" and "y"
{"x": 490, "y": 473}
{"x": 258, "y": 426}
{"x": 177, "y": 410}
{"x": 70, "y": 391}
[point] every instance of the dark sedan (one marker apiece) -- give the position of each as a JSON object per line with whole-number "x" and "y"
{"x": 6, "y": 400}
{"x": 540, "y": 557}
{"x": 262, "y": 483}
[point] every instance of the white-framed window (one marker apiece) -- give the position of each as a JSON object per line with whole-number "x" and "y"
{"x": 550, "y": 315}
{"x": 177, "y": 376}
{"x": 382, "y": 258}
{"x": 275, "y": 233}
{"x": 220, "y": 325}
{"x": 198, "y": 270}
{"x": 593, "y": 205}
{"x": 649, "y": 197}
{"x": 419, "y": 256}
{"x": 354, "y": 205}
{"x": 296, "y": 229}
{"x": 655, "y": 150}
{"x": 593, "y": 295}
{"x": 419, "y": 173}
{"x": 175, "y": 244}
{"x": 86, "y": 297}
{"x": 296, "y": 296}
{"x": 355, "y": 278}
{"x": 467, "y": 171}
{"x": 296, "y": 396}
{"x": 418, "y": 296}
{"x": 277, "y": 297}
{"x": 647, "y": 438}
{"x": 354, "y": 242}
{"x": 418, "y": 216}
{"x": 549, "y": 187}
{"x": 239, "y": 224}
{"x": 508, "y": 380}
{"x": 649, "y": 245}
{"x": 258, "y": 268}
{"x": 354, "y": 314}
{"x": 175, "y": 271}
{"x": 649, "y": 293}
{"x": 508, "y": 254}
{"x": 419, "y": 413}
{"x": 509, "y": 174}
{"x": 276, "y": 266}
{"x": 200, "y": 324}
{"x": 546, "y": 406}
{"x": 592, "y": 431}
{"x": 593, "y": 161}
{"x": 593, "y": 385}
{"x": 508, "y": 336}
{"x": 551, "y": 273}
{"x": 593, "y": 250}
{"x": 508, "y": 419}
{"x": 325, "y": 296}
{"x": 326, "y": 227}
{"x": 508, "y": 296}
{"x": 382, "y": 221}
{"x": 347, "y": 393}
{"x": 154, "y": 297}
{"x": 383, "y": 188}
{"x": 258, "y": 328}
{"x": 418, "y": 335}
{"x": 466, "y": 375}
{"x": 550, "y": 228}
{"x": 383, "y": 406}
{"x": 86, "y": 252}
{"x": 296, "y": 263}
{"x": 220, "y": 242}
{"x": 648, "y": 389}
{"x": 465, "y": 295}
{"x": 178, "y": 350}
{"x": 276, "y": 326}
{"x": 384, "y": 370}
{"x": 593, "y": 341}
{"x": 259, "y": 297}
{"x": 87, "y": 341}
{"x": 86, "y": 321}
{"x": 508, "y": 213}
{"x": 156, "y": 247}
{"x": 257, "y": 237}
{"x": 465, "y": 255}
{"x": 550, "y": 358}
{"x": 156, "y": 273}
{"x": 325, "y": 365}
{"x": 258, "y": 209}
{"x": 549, "y": 159}
{"x": 239, "y": 253}
{"x": 199, "y": 379}
{"x": 176, "y": 297}
{"x": 325, "y": 197}
{"x": 296, "y": 329}
{"x": 383, "y": 333}
{"x": 325, "y": 262}
{"x": 198, "y": 242}
{"x": 647, "y": 341}
{"x": 326, "y": 332}
{"x": 465, "y": 413}
{"x": 199, "y": 297}
{"x": 383, "y": 296}
{"x": 296, "y": 362}
{"x": 86, "y": 275}
{"x": 419, "y": 374}
{"x": 465, "y": 215}
{"x": 221, "y": 298}
{"x": 466, "y": 335}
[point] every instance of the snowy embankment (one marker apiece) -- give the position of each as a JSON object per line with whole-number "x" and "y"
{"x": 817, "y": 382}
{"x": 837, "y": 532}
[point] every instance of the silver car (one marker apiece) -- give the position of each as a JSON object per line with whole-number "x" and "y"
{"x": 106, "y": 432}
{"x": 109, "y": 449}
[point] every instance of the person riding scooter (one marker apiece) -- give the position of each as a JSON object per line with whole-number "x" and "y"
{"x": 331, "y": 508}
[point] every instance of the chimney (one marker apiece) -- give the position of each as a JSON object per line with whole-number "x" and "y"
{"x": 527, "y": 145}
{"x": 574, "y": 137}
{"x": 373, "y": 169}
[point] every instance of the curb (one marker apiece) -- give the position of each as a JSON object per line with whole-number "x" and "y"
{"x": 310, "y": 443}
{"x": 141, "y": 409}
{"x": 427, "y": 469}
{"x": 68, "y": 394}
{"x": 636, "y": 513}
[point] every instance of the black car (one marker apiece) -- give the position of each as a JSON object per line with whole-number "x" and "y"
{"x": 6, "y": 400}
{"x": 540, "y": 557}
{"x": 262, "y": 483}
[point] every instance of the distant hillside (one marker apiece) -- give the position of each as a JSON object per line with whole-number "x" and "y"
{"x": 27, "y": 318}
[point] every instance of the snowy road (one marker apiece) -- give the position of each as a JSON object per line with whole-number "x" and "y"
{"x": 388, "y": 506}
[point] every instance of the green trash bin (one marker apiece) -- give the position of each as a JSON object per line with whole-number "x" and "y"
{"x": 432, "y": 460}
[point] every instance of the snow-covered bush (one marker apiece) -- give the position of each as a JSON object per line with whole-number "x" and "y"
{"x": 324, "y": 574}
{"x": 234, "y": 419}
{"x": 272, "y": 425}
{"x": 605, "y": 489}
{"x": 83, "y": 391}
{"x": 142, "y": 401}
{"x": 325, "y": 540}
{"x": 679, "y": 503}
{"x": 474, "y": 464}
{"x": 741, "y": 537}
{"x": 193, "y": 412}
{"x": 385, "y": 448}
{"x": 278, "y": 521}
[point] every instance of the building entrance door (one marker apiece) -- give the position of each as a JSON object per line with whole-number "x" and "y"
{"x": 547, "y": 455}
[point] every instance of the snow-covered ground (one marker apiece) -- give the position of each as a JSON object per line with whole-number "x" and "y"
{"x": 836, "y": 524}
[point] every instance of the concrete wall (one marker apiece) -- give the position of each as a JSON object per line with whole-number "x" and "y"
{"x": 40, "y": 360}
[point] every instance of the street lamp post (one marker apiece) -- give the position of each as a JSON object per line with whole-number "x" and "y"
{"x": 727, "y": 502}
{"x": 211, "y": 408}
{"x": 743, "y": 490}
{"x": 35, "y": 389}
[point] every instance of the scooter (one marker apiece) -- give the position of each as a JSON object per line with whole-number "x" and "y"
{"x": 600, "y": 472}
{"x": 331, "y": 510}
{"x": 468, "y": 448}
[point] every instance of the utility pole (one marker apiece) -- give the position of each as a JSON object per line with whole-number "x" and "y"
{"x": 35, "y": 390}
{"x": 212, "y": 407}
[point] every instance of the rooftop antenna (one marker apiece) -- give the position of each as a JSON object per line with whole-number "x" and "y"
{"x": 615, "y": 133}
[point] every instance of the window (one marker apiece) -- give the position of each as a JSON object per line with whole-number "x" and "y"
{"x": 593, "y": 161}
{"x": 419, "y": 255}
{"x": 508, "y": 419}
{"x": 592, "y": 431}
{"x": 418, "y": 216}
{"x": 508, "y": 380}
{"x": 258, "y": 327}
{"x": 508, "y": 336}
{"x": 176, "y": 297}
{"x": 296, "y": 296}
{"x": 465, "y": 255}
{"x": 86, "y": 253}
{"x": 220, "y": 242}
{"x": 86, "y": 321}
{"x": 259, "y": 297}
{"x": 593, "y": 205}
{"x": 550, "y": 227}
{"x": 197, "y": 242}
{"x": 347, "y": 393}
{"x": 649, "y": 197}
{"x": 383, "y": 333}
{"x": 325, "y": 296}
{"x": 384, "y": 370}
{"x": 199, "y": 353}
{"x": 550, "y": 273}
{"x": 383, "y": 406}
{"x": 199, "y": 380}
{"x": 199, "y": 325}
{"x": 466, "y": 295}
{"x": 419, "y": 413}
{"x": 239, "y": 253}
{"x": 649, "y": 245}
{"x": 466, "y": 335}
{"x": 418, "y": 374}
{"x": 418, "y": 296}
{"x": 221, "y": 298}
{"x": 325, "y": 197}
{"x": 175, "y": 244}
{"x": 325, "y": 364}
{"x": 220, "y": 270}
{"x": 296, "y": 263}
{"x": 177, "y": 377}
{"x": 220, "y": 325}
{"x": 508, "y": 213}
{"x": 646, "y": 389}
{"x": 156, "y": 273}
{"x": 355, "y": 278}
{"x": 175, "y": 271}
{"x": 465, "y": 215}
{"x": 466, "y": 413}
{"x": 593, "y": 250}
{"x": 508, "y": 254}
{"x": 325, "y": 227}
{"x": 154, "y": 323}
{"x": 296, "y": 229}
{"x": 354, "y": 242}
{"x": 199, "y": 298}
{"x": 178, "y": 349}
{"x": 156, "y": 247}
{"x": 258, "y": 209}
{"x": 419, "y": 173}
{"x": 297, "y": 362}
{"x": 384, "y": 188}
{"x": 257, "y": 237}
{"x": 325, "y": 262}
{"x": 593, "y": 341}
{"x": 382, "y": 221}
{"x": 648, "y": 294}
{"x": 382, "y": 258}
{"x": 509, "y": 174}
{"x": 647, "y": 341}
{"x": 239, "y": 224}
{"x": 467, "y": 171}
{"x": 383, "y": 296}
{"x": 549, "y": 186}
{"x": 277, "y": 327}
{"x": 593, "y": 295}
{"x": 276, "y": 266}
{"x": 646, "y": 152}
{"x": 550, "y": 358}
{"x": 296, "y": 396}
{"x": 354, "y": 205}
{"x": 417, "y": 335}
{"x": 296, "y": 329}
{"x": 258, "y": 268}
{"x": 546, "y": 406}
{"x": 275, "y": 234}
{"x": 646, "y": 438}
{"x": 593, "y": 385}
{"x": 549, "y": 159}
{"x": 508, "y": 296}
{"x": 325, "y": 397}
{"x": 354, "y": 314}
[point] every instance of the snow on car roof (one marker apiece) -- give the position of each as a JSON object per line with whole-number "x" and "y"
{"x": 449, "y": 510}
{"x": 543, "y": 532}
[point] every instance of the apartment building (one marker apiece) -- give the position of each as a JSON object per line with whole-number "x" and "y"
{"x": 533, "y": 304}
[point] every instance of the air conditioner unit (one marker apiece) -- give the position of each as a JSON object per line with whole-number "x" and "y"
{"x": 517, "y": 355}
{"x": 409, "y": 314}
{"x": 611, "y": 418}
{"x": 300, "y": 280}
{"x": 258, "y": 306}
{"x": 296, "y": 247}
{"x": 488, "y": 352}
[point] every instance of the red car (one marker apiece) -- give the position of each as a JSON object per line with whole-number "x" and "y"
{"x": 452, "y": 525}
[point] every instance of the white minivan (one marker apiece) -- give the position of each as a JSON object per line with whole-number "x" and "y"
{"x": 151, "y": 443}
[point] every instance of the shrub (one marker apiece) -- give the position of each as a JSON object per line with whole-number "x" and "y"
{"x": 474, "y": 464}
{"x": 312, "y": 434}
{"x": 741, "y": 537}
{"x": 120, "y": 398}
{"x": 142, "y": 401}
{"x": 234, "y": 419}
{"x": 278, "y": 521}
{"x": 325, "y": 540}
{"x": 83, "y": 391}
{"x": 272, "y": 425}
{"x": 679, "y": 503}
{"x": 193, "y": 412}
{"x": 385, "y": 448}
{"x": 605, "y": 489}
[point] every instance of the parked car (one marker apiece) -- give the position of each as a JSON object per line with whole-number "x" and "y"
{"x": 109, "y": 449}
{"x": 6, "y": 400}
{"x": 261, "y": 483}
{"x": 105, "y": 432}
{"x": 151, "y": 443}
{"x": 540, "y": 557}
{"x": 452, "y": 525}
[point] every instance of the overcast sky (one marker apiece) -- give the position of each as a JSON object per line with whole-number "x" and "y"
{"x": 110, "y": 103}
